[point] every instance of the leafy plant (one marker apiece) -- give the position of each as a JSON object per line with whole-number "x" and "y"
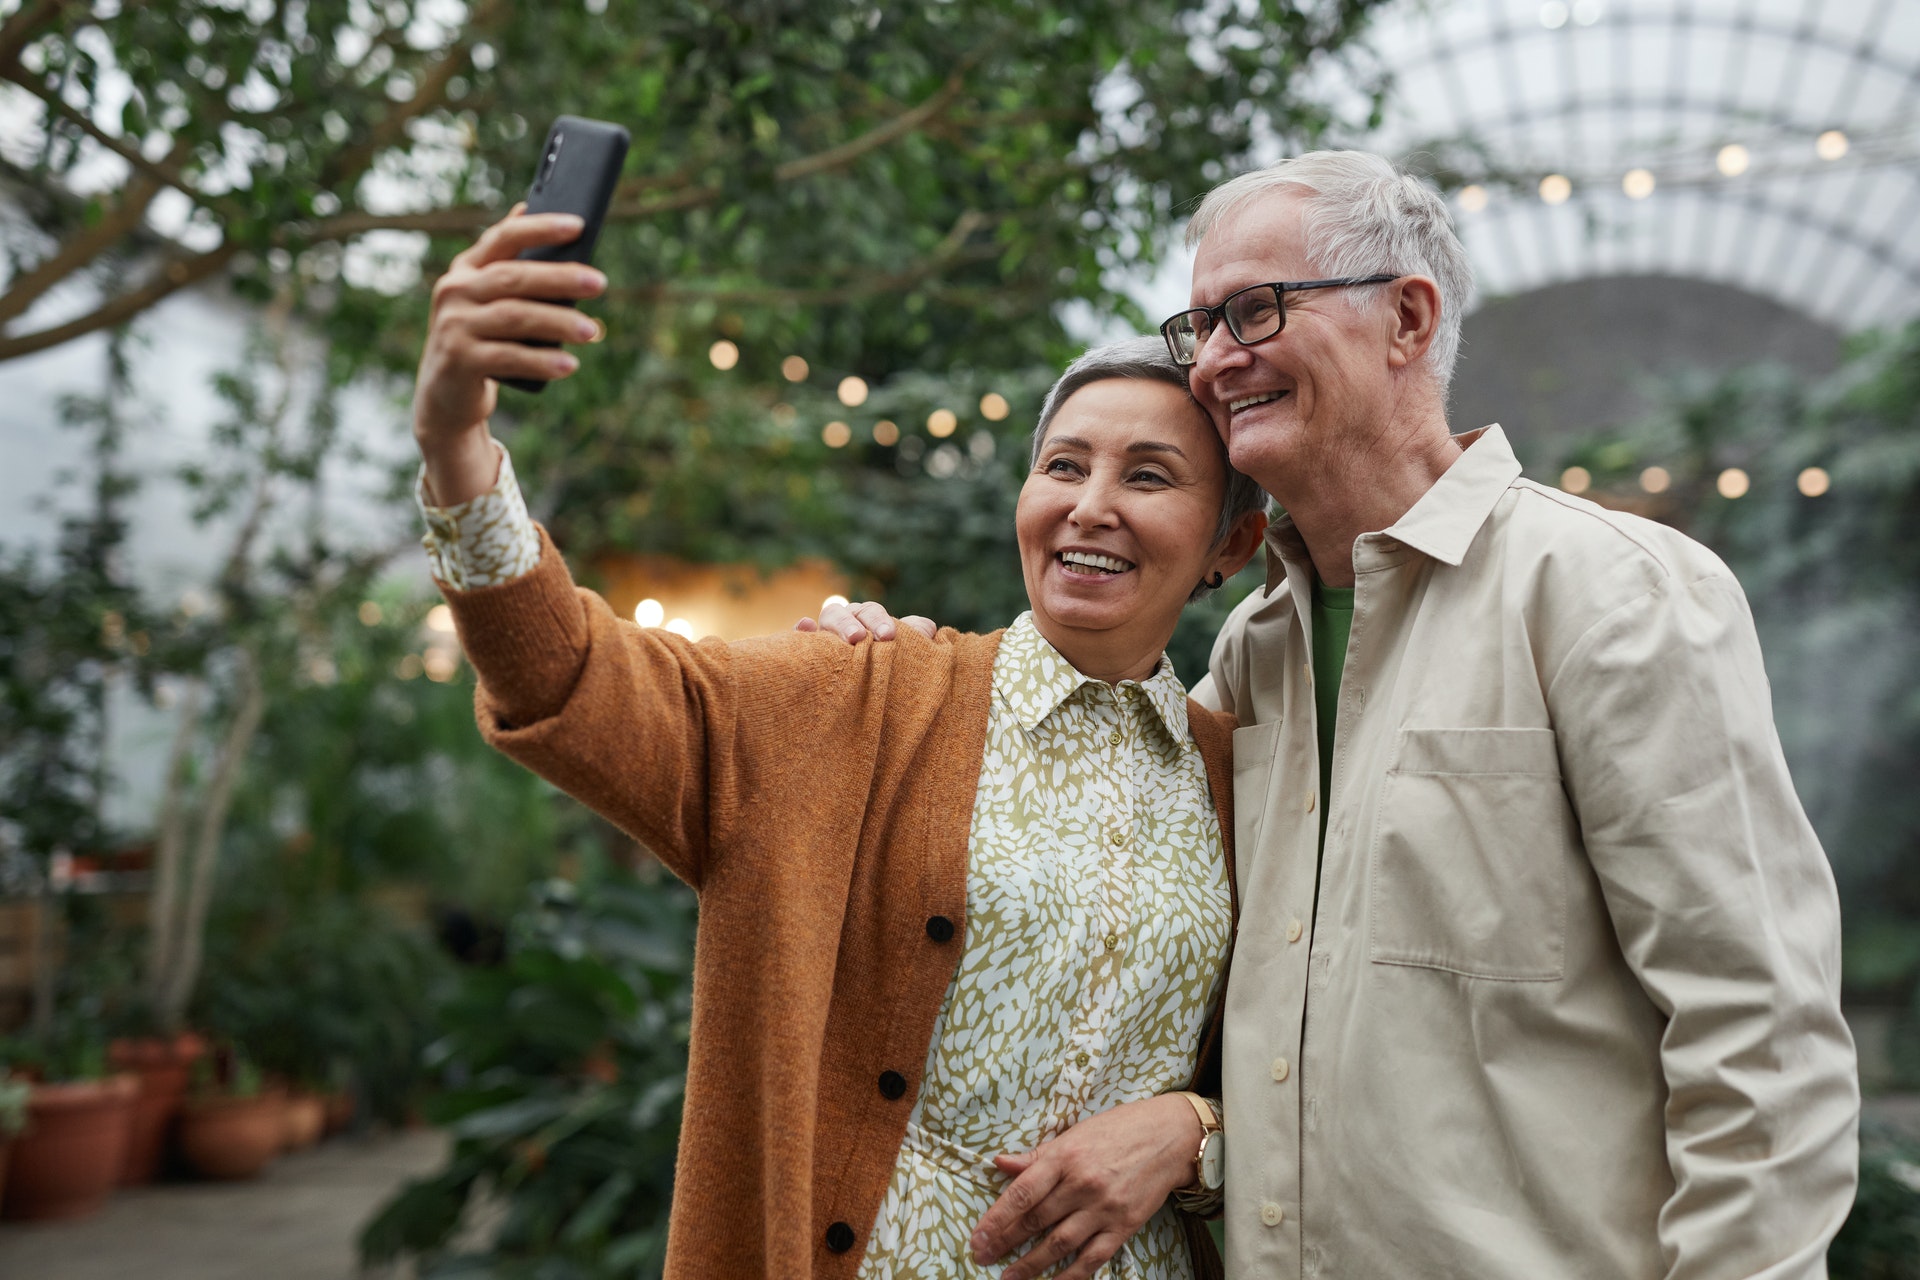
{"x": 564, "y": 1068}
{"x": 14, "y": 1096}
{"x": 336, "y": 994}
{"x": 71, "y": 1050}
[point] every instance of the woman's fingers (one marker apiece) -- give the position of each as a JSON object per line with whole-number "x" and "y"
{"x": 1094, "y": 1254}
{"x": 521, "y": 278}
{"x": 843, "y": 622}
{"x": 1021, "y": 1212}
{"x": 518, "y": 232}
{"x": 502, "y": 360}
{"x": 1073, "y": 1233}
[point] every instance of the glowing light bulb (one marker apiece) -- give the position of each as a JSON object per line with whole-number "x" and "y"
{"x": 1814, "y": 481}
{"x": 1473, "y": 198}
{"x": 1733, "y": 483}
{"x": 1556, "y": 188}
{"x": 793, "y": 369}
{"x": 1576, "y": 479}
{"x": 1732, "y": 160}
{"x": 1638, "y": 184}
{"x": 942, "y": 423}
{"x": 724, "y": 355}
{"x": 649, "y": 612}
{"x": 853, "y": 391}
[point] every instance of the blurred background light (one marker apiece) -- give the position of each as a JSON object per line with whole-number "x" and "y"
{"x": 724, "y": 355}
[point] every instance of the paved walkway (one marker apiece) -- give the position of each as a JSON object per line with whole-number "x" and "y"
{"x": 298, "y": 1221}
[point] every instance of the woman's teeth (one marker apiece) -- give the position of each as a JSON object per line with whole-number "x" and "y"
{"x": 1235, "y": 406}
{"x": 1087, "y": 560}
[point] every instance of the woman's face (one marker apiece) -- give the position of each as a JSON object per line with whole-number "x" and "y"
{"x": 1116, "y": 523}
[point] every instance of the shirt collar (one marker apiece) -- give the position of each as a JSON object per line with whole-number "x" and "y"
{"x": 1446, "y": 519}
{"x": 1033, "y": 679}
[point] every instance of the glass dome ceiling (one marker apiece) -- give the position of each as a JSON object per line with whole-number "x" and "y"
{"x": 1772, "y": 145}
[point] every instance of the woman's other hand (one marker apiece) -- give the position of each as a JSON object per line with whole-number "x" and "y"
{"x": 1091, "y": 1188}
{"x": 484, "y": 308}
{"x": 855, "y": 622}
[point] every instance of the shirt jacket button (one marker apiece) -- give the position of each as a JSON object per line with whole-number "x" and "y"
{"x": 839, "y": 1237}
{"x": 892, "y": 1085}
{"x": 940, "y": 929}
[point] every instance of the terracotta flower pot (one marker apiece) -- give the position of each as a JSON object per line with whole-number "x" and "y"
{"x": 306, "y": 1120}
{"x": 65, "y": 1163}
{"x": 230, "y": 1138}
{"x": 163, "y": 1066}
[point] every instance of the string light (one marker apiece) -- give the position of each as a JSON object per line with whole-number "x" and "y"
{"x": 1830, "y": 145}
{"x": 681, "y": 627}
{"x": 994, "y": 407}
{"x": 1555, "y": 188}
{"x": 836, "y": 434}
{"x": 1733, "y": 483}
{"x": 1473, "y": 198}
{"x": 853, "y": 391}
{"x": 724, "y": 355}
{"x": 1732, "y": 160}
{"x": 1576, "y": 479}
{"x": 649, "y": 613}
{"x": 1656, "y": 480}
{"x": 371, "y": 613}
{"x": 942, "y": 423}
{"x": 885, "y": 432}
{"x": 794, "y": 369}
{"x": 1638, "y": 184}
{"x": 1814, "y": 481}
{"x": 440, "y": 618}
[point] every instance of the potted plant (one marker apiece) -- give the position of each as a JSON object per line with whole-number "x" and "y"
{"x": 163, "y": 1065}
{"x": 68, "y": 1156}
{"x": 231, "y": 1125}
{"x": 14, "y": 1095}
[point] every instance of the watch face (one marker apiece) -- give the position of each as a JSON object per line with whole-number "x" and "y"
{"x": 1213, "y": 1162}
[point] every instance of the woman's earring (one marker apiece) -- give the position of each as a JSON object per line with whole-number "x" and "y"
{"x": 1213, "y": 584}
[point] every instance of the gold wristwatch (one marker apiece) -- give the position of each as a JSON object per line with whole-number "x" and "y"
{"x": 1210, "y": 1161}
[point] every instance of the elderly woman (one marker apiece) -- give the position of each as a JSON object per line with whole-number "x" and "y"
{"x": 998, "y": 913}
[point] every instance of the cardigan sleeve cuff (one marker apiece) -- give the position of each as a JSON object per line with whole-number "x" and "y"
{"x": 527, "y": 638}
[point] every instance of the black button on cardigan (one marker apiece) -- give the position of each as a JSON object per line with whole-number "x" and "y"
{"x": 839, "y": 1237}
{"x": 892, "y": 1085}
{"x": 940, "y": 929}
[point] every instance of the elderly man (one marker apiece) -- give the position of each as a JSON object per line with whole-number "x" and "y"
{"x": 1538, "y": 964}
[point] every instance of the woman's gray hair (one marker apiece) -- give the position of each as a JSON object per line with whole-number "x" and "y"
{"x": 1362, "y": 215}
{"x": 1148, "y": 360}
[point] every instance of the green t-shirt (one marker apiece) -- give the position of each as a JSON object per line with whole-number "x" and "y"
{"x": 1332, "y": 622}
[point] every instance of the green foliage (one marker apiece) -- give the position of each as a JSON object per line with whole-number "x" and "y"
{"x": 565, "y": 1068}
{"x": 14, "y": 1096}
{"x": 73, "y": 1048}
{"x": 332, "y": 995}
{"x": 66, "y": 630}
{"x": 1881, "y": 1238}
{"x": 1834, "y": 582}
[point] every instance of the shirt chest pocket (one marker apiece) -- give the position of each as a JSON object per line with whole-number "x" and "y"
{"x": 1471, "y": 855}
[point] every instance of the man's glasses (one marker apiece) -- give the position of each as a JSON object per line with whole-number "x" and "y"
{"x": 1255, "y": 313}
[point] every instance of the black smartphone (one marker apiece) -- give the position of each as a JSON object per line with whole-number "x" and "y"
{"x": 579, "y": 167}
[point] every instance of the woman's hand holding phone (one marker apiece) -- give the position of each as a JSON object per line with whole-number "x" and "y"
{"x": 485, "y": 308}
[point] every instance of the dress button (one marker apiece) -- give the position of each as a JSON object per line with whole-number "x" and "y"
{"x": 839, "y": 1237}
{"x": 1080, "y": 1059}
{"x": 1293, "y": 931}
{"x": 940, "y": 929}
{"x": 1270, "y": 1213}
{"x": 1116, "y": 836}
{"x": 1111, "y": 941}
{"x": 1113, "y": 739}
{"x": 1281, "y": 1069}
{"x": 892, "y": 1085}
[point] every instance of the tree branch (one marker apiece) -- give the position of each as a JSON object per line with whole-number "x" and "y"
{"x": 951, "y": 249}
{"x": 178, "y": 274}
{"x": 23, "y": 26}
{"x": 161, "y": 175}
{"x": 83, "y": 247}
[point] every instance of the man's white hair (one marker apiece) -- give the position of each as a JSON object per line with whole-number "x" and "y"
{"x": 1362, "y": 215}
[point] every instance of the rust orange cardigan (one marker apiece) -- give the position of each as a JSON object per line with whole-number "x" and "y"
{"x": 818, "y": 796}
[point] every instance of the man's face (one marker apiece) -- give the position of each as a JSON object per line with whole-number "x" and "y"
{"x": 1286, "y": 403}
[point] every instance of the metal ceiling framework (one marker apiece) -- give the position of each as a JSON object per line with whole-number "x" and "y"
{"x": 1597, "y": 88}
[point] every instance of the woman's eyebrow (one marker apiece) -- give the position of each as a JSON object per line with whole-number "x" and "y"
{"x": 1156, "y": 446}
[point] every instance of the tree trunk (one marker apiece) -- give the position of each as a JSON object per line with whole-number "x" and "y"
{"x": 184, "y": 972}
{"x": 163, "y": 910}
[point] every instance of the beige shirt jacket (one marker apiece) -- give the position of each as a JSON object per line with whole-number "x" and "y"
{"x": 1561, "y": 999}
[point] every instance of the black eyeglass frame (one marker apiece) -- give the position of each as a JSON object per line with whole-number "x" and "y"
{"x": 1217, "y": 316}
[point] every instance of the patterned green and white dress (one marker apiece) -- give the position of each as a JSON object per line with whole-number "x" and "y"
{"x": 1097, "y": 928}
{"x": 1097, "y": 923}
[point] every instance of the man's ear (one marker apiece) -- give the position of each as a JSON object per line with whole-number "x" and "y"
{"x": 1416, "y": 319}
{"x": 1242, "y": 540}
